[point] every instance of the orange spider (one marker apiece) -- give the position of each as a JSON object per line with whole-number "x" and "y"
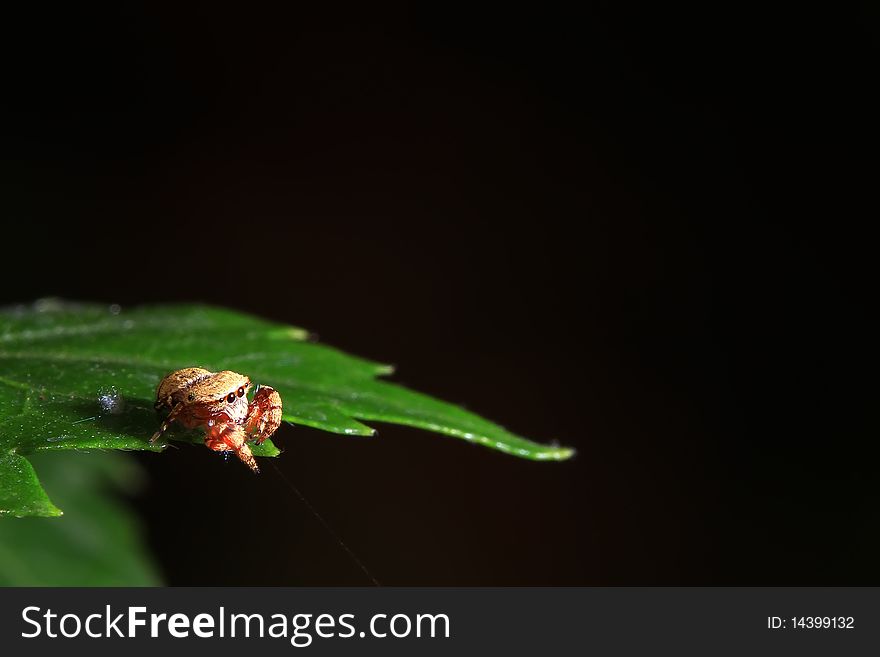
{"x": 218, "y": 402}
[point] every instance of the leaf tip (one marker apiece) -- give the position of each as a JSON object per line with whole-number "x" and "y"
{"x": 47, "y": 510}
{"x": 297, "y": 334}
{"x": 291, "y": 333}
{"x": 534, "y": 451}
{"x": 360, "y": 430}
{"x": 556, "y": 454}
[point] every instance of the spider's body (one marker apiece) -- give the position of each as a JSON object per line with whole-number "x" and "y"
{"x": 218, "y": 401}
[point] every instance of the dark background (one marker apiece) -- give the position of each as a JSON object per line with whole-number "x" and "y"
{"x": 639, "y": 232}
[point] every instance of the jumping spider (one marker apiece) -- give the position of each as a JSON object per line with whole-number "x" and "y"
{"x": 218, "y": 402}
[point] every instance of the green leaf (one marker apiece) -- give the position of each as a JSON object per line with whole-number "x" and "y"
{"x": 98, "y": 543}
{"x": 21, "y": 494}
{"x": 83, "y": 376}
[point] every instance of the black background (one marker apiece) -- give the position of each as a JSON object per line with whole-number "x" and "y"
{"x": 640, "y": 232}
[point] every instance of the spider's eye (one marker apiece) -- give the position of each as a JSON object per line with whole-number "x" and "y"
{"x": 191, "y": 396}
{"x": 231, "y": 397}
{"x": 241, "y": 391}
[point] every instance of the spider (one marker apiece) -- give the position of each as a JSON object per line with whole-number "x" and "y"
{"x": 218, "y": 402}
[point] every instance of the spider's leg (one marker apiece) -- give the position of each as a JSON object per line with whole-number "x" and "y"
{"x": 227, "y": 436}
{"x": 264, "y": 414}
{"x": 168, "y": 420}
